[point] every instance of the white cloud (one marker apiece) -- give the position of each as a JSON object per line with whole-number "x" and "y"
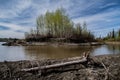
{"x": 97, "y": 17}
{"x": 107, "y": 5}
{"x": 11, "y": 34}
{"x": 13, "y": 30}
{"x": 73, "y": 7}
{"x": 14, "y": 9}
{"x": 15, "y": 27}
{"x": 101, "y": 23}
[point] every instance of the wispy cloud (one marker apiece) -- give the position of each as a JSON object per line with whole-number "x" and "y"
{"x": 108, "y": 5}
{"x": 19, "y": 16}
{"x": 14, "y": 27}
{"x": 11, "y": 34}
{"x": 11, "y": 8}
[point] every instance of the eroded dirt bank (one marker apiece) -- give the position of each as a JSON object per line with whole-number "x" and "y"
{"x": 106, "y": 67}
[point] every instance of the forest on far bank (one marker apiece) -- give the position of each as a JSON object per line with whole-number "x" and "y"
{"x": 113, "y": 36}
{"x": 56, "y": 26}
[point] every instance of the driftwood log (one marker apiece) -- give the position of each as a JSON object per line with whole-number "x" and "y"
{"x": 43, "y": 69}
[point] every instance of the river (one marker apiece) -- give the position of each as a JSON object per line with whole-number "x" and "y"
{"x": 15, "y": 53}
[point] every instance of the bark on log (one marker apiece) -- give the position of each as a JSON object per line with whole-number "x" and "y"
{"x": 55, "y": 65}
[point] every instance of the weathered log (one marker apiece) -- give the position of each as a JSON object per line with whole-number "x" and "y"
{"x": 69, "y": 65}
{"x": 55, "y": 65}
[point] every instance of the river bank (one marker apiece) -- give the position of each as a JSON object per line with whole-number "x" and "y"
{"x": 105, "y": 67}
{"x": 51, "y": 44}
{"x": 112, "y": 42}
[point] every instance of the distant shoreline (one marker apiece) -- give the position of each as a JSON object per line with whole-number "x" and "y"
{"x": 51, "y": 44}
{"x": 67, "y": 44}
{"x": 112, "y": 42}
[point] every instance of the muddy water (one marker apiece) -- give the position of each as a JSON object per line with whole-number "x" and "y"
{"x": 15, "y": 53}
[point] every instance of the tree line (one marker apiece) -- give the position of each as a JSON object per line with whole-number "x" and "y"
{"x": 58, "y": 26}
{"x": 113, "y": 35}
{"x": 7, "y": 39}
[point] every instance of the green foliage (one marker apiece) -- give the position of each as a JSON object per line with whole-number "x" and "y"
{"x": 57, "y": 24}
{"x": 113, "y": 36}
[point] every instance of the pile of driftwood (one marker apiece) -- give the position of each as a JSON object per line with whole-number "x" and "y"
{"x": 78, "y": 67}
{"x": 72, "y": 63}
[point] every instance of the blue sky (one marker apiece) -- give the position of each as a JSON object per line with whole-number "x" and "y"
{"x": 19, "y": 16}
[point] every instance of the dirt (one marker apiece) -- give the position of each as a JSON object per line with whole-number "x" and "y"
{"x": 105, "y": 67}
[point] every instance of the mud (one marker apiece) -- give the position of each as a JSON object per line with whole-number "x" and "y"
{"x": 105, "y": 67}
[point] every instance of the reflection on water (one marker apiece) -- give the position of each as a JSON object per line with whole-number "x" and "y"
{"x": 43, "y": 52}
{"x": 106, "y": 49}
{"x": 13, "y": 53}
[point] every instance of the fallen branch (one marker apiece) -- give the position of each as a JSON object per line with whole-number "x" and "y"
{"x": 43, "y": 69}
{"x": 55, "y": 65}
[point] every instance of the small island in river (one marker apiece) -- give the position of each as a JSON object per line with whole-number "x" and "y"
{"x": 56, "y": 28}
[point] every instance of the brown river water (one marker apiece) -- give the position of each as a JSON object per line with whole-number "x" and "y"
{"x": 15, "y": 53}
